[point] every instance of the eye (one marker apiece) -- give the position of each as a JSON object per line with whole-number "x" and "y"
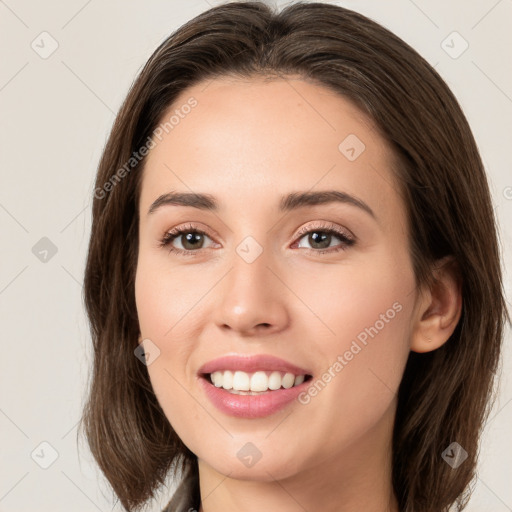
{"x": 189, "y": 236}
{"x": 321, "y": 236}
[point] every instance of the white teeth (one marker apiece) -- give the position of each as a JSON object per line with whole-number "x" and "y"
{"x": 259, "y": 381}
{"x": 217, "y": 379}
{"x": 226, "y": 380}
{"x": 241, "y": 381}
{"x": 288, "y": 380}
{"x": 274, "y": 381}
{"x": 298, "y": 380}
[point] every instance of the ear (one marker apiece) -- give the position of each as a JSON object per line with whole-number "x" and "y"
{"x": 440, "y": 308}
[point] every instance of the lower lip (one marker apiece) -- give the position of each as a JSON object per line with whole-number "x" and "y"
{"x": 251, "y": 406}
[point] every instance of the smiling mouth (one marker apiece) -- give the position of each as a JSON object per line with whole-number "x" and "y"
{"x": 254, "y": 383}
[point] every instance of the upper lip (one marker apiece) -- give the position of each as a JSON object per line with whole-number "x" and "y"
{"x": 253, "y": 363}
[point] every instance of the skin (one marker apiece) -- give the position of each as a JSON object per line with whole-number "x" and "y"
{"x": 248, "y": 143}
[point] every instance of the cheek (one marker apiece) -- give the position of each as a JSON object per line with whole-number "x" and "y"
{"x": 164, "y": 308}
{"x": 163, "y": 297}
{"x": 344, "y": 302}
{"x": 367, "y": 313}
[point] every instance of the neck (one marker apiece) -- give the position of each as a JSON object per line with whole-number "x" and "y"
{"x": 358, "y": 478}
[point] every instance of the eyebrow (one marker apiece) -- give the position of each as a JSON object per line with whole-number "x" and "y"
{"x": 292, "y": 201}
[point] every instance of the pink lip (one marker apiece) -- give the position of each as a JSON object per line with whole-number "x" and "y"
{"x": 249, "y": 364}
{"x": 251, "y": 406}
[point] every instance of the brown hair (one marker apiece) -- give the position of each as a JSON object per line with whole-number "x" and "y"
{"x": 445, "y": 394}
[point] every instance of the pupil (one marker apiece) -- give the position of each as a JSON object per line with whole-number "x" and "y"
{"x": 190, "y": 239}
{"x": 314, "y": 238}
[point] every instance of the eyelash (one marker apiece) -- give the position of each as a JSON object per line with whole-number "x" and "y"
{"x": 327, "y": 228}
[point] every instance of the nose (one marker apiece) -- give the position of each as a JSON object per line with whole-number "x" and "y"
{"x": 251, "y": 300}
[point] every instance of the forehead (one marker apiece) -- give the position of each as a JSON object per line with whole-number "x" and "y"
{"x": 249, "y": 142}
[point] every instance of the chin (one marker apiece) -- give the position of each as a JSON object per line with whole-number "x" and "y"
{"x": 259, "y": 468}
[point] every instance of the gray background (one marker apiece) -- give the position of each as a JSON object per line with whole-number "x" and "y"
{"x": 56, "y": 113}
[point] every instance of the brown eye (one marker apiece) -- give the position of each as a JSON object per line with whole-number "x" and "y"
{"x": 321, "y": 238}
{"x": 190, "y": 238}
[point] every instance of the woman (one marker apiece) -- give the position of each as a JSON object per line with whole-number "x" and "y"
{"x": 293, "y": 279}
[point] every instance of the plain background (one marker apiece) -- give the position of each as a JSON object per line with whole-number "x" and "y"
{"x": 56, "y": 113}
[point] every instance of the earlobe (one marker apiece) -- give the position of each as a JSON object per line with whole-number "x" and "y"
{"x": 440, "y": 308}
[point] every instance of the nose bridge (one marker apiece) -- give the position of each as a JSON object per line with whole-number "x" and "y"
{"x": 251, "y": 294}
{"x": 248, "y": 279}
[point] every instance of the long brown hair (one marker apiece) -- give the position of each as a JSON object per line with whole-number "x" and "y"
{"x": 445, "y": 394}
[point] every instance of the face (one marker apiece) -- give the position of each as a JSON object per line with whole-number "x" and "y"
{"x": 320, "y": 289}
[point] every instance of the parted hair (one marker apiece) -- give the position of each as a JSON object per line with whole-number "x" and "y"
{"x": 445, "y": 395}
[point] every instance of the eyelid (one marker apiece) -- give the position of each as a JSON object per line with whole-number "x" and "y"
{"x": 327, "y": 226}
{"x": 184, "y": 228}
